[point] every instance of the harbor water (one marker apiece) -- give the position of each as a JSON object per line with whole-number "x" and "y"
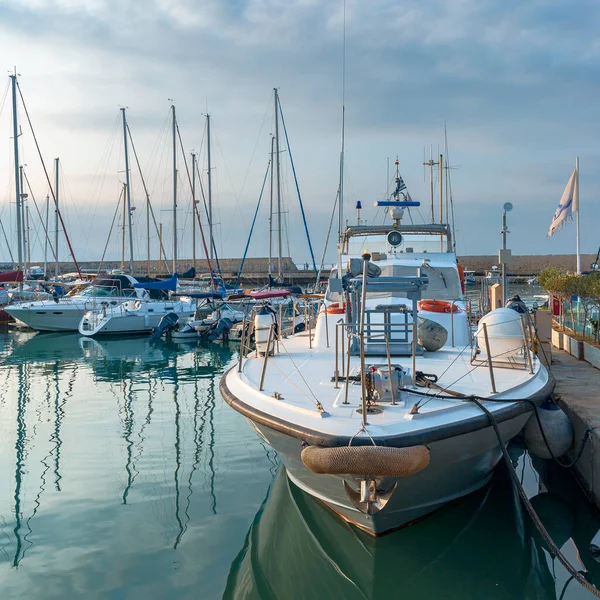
{"x": 125, "y": 475}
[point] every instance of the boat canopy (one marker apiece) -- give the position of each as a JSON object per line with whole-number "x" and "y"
{"x": 269, "y": 294}
{"x": 11, "y": 277}
{"x": 167, "y": 284}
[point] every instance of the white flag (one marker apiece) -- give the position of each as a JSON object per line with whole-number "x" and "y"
{"x": 569, "y": 203}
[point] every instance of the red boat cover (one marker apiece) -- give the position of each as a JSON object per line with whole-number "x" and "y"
{"x": 11, "y": 277}
{"x": 269, "y": 294}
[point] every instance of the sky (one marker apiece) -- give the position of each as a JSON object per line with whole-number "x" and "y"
{"x": 516, "y": 85}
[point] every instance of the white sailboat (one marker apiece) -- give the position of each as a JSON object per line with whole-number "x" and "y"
{"x": 371, "y": 412}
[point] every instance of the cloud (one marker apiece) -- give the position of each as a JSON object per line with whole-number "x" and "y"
{"x": 515, "y": 82}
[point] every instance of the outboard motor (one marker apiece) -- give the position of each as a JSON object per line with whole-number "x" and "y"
{"x": 222, "y": 328}
{"x": 167, "y": 323}
{"x": 517, "y": 304}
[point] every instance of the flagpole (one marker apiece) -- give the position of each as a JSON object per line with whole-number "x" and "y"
{"x": 577, "y": 216}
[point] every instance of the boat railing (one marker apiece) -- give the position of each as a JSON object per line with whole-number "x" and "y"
{"x": 510, "y": 359}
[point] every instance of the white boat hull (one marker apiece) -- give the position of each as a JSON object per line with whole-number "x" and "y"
{"x": 125, "y": 324}
{"x": 458, "y": 466}
{"x": 51, "y": 318}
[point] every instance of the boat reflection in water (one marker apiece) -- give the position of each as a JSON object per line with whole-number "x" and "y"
{"x": 66, "y": 378}
{"x": 478, "y": 547}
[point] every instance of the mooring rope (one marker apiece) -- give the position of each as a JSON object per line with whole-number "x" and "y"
{"x": 554, "y": 549}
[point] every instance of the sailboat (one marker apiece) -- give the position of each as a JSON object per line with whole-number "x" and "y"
{"x": 372, "y": 411}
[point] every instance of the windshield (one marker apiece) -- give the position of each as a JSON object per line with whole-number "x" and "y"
{"x": 99, "y": 291}
{"x": 411, "y": 244}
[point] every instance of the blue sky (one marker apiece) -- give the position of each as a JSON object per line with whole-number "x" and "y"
{"x": 517, "y": 84}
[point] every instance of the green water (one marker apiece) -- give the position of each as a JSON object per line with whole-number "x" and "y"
{"x": 124, "y": 475}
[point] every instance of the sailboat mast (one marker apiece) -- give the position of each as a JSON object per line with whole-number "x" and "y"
{"x": 148, "y": 234}
{"x": 160, "y": 248}
{"x": 17, "y": 177}
{"x": 56, "y": 196}
{"x": 577, "y": 216}
{"x": 342, "y": 150}
{"x": 128, "y": 188}
{"x": 271, "y": 215}
{"x": 46, "y": 238}
{"x": 25, "y": 232}
{"x": 174, "y": 190}
{"x": 278, "y": 180}
{"x": 123, "y": 229}
{"x": 441, "y": 167}
{"x": 28, "y": 241}
{"x": 210, "y": 210}
{"x": 450, "y": 207}
{"x": 194, "y": 210}
{"x": 441, "y": 178}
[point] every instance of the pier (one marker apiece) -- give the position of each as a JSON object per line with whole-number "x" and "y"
{"x": 578, "y": 384}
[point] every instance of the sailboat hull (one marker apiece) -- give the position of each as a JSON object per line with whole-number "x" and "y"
{"x": 459, "y": 465}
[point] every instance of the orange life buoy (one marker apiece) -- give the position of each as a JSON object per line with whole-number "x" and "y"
{"x": 437, "y": 306}
{"x": 335, "y": 309}
{"x": 461, "y": 274}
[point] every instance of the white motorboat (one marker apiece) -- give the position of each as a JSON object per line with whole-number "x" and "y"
{"x": 185, "y": 327}
{"x": 470, "y": 278}
{"x": 64, "y": 314}
{"x": 372, "y": 411}
{"x": 494, "y": 275}
{"x": 133, "y": 317}
{"x": 222, "y": 311}
{"x": 29, "y": 293}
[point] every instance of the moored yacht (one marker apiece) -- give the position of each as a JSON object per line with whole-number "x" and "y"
{"x": 64, "y": 314}
{"x": 139, "y": 315}
{"x": 372, "y": 410}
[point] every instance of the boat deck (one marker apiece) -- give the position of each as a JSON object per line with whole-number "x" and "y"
{"x": 298, "y": 378}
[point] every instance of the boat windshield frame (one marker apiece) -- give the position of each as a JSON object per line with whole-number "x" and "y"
{"x": 433, "y": 229}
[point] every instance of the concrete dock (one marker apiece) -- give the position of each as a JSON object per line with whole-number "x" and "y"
{"x": 578, "y": 384}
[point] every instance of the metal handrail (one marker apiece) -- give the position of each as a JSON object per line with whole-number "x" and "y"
{"x": 489, "y": 356}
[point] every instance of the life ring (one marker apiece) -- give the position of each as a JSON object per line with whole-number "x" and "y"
{"x": 335, "y": 309}
{"x": 438, "y": 306}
